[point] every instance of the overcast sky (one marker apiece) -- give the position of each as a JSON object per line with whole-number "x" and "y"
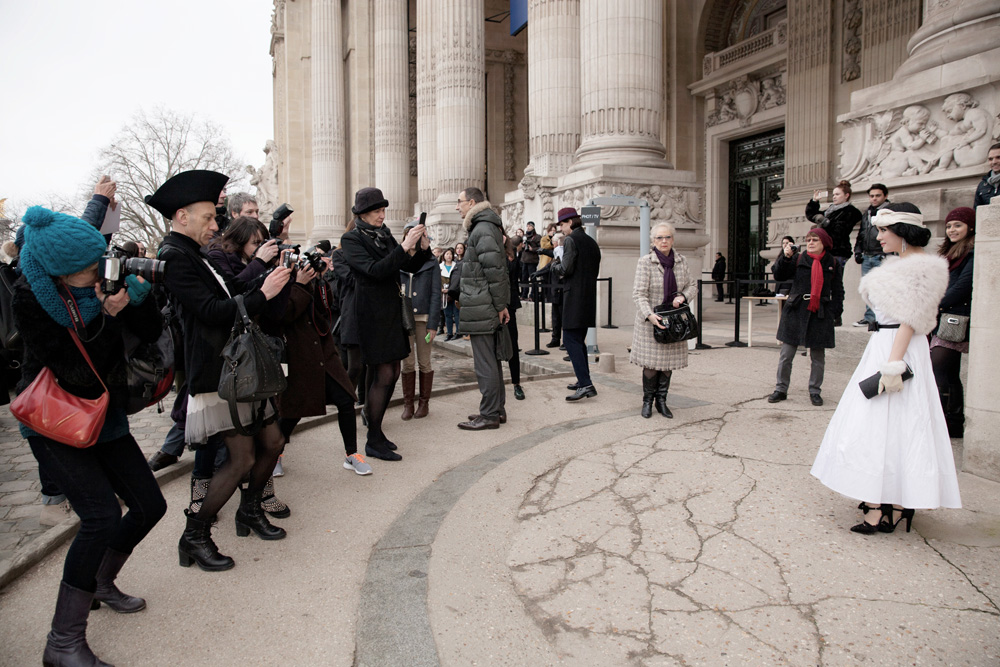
{"x": 72, "y": 73}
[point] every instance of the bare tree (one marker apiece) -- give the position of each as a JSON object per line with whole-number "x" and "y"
{"x": 150, "y": 149}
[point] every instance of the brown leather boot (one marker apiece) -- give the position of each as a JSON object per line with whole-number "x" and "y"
{"x": 426, "y": 382}
{"x": 409, "y": 385}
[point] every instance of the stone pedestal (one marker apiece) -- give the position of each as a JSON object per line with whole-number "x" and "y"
{"x": 328, "y": 173}
{"x": 982, "y": 413}
{"x": 392, "y": 112}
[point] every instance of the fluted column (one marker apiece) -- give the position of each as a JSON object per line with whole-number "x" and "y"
{"x": 553, "y": 85}
{"x": 461, "y": 99}
{"x": 426, "y": 106}
{"x": 328, "y": 171}
{"x": 621, "y": 53}
{"x": 952, "y": 30}
{"x": 392, "y": 122}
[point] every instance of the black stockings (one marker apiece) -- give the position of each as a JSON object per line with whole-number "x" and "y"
{"x": 383, "y": 382}
{"x": 254, "y": 454}
{"x": 947, "y": 366}
{"x": 650, "y": 373}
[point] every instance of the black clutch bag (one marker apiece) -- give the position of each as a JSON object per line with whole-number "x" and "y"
{"x": 679, "y": 322}
{"x": 869, "y": 386}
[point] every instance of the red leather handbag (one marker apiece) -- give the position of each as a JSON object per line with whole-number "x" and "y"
{"x": 51, "y": 411}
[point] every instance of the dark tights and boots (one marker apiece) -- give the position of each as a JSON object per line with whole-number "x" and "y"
{"x": 655, "y": 385}
{"x": 947, "y": 365}
{"x": 255, "y": 455}
{"x": 382, "y": 383}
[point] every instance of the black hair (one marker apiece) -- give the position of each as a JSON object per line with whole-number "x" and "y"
{"x": 994, "y": 147}
{"x": 789, "y": 238}
{"x": 879, "y": 186}
{"x": 474, "y": 194}
{"x": 912, "y": 234}
{"x": 238, "y": 234}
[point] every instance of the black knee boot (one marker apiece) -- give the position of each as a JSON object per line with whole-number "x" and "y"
{"x": 250, "y": 516}
{"x": 648, "y": 392}
{"x": 663, "y": 386}
{"x": 107, "y": 592}
{"x": 954, "y": 410}
{"x": 67, "y": 640}
{"x": 196, "y": 546}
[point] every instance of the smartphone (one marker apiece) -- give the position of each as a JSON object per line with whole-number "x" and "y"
{"x": 823, "y": 195}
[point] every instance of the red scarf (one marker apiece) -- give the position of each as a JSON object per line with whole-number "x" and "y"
{"x": 815, "y": 282}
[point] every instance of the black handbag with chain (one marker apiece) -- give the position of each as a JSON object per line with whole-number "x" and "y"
{"x": 409, "y": 321}
{"x": 679, "y": 322}
{"x": 251, "y": 369}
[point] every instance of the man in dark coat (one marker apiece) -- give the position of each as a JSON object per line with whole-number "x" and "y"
{"x": 485, "y": 293}
{"x": 719, "y": 274}
{"x": 529, "y": 258}
{"x": 578, "y": 267}
{"x": 815, "y": 301}
{"x": 989, "y": 187}
{"x": 867, "y": 250}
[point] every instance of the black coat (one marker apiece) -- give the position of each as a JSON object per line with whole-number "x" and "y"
{"x": 784, "y": 271}
{"x": 957, "y": 298}
{"x": 345, "y": 288}
{"x": 579, "y": 268}
{"x": 719, "y": 270}
{"x": 424, "y": 286}
{"x": 514, "y": 274}
{"x": 798, "y": 325}
{"x": 985, "y": 192}
{"x": 205, "y": 310}
{"x": 839, "y": 224}
{"x": 377, "y": 304}
{"x": 867, "y": 240}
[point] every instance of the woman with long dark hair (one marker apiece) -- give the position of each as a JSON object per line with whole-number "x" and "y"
{"x": 448, "y": 265}
{"x": 375, "y": 259}
{"x": 892, "y": 451}
{"x": 58, "y": 306}
{"x": 241, "y": 252}
{"x": 946, "y": 355}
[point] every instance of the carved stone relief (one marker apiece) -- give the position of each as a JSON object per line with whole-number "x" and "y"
{"x": 852, "y": 40}
{"x": 917, "y": 139}
{"x": 746, "y": 96}
{"x": 265, "y": 179}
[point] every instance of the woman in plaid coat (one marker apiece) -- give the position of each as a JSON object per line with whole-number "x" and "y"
{"x": 653, "y": 286}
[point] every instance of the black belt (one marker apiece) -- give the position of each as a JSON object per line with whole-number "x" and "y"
{"x": 875, "y": 326}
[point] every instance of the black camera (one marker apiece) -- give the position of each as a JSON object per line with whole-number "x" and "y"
{"x": 278, "y": 220}
{"x": 116, "y": 264}
{"x": 314, "y": 260}
{"x": 290, "y": 258}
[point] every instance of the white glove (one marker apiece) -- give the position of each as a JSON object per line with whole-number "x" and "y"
{"x": 892, "y": 377}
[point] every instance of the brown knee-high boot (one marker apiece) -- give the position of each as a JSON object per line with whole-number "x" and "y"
{"x": 426, "y": 382}
{"x": 409, "y": 386}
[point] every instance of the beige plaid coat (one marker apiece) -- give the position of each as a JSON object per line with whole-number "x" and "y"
{"x": 647, "y": 293}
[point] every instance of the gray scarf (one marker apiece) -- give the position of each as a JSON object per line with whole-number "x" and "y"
{"x": 836, "y": 207}
{"x": 994, "y": 178}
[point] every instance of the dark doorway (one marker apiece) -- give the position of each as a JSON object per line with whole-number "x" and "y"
{"x": 756, "y": 175}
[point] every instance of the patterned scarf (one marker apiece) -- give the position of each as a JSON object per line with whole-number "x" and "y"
{"x": 669, "y": 281}
{"x": 379, "y": 235}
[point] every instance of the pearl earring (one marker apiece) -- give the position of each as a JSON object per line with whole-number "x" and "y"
{"x": 904, "y": 248}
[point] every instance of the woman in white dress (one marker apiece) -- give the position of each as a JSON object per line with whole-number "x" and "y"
{"x": 892, "y": 452}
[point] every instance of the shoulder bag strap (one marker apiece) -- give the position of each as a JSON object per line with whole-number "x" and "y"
{"x": 83, "y": 351}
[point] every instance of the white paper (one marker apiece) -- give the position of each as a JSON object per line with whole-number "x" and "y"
{"x": 112, "y": 219}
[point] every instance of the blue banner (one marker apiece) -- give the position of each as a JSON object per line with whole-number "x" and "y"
{"x": 518, "y": 16}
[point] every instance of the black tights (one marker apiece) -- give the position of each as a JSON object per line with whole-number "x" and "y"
{"x": 254, "y": 454}
{"x": 382, "y": 379}
{"x": 346, "y": 420}
{"x": 947, "y": 366}
{"x": 651, "y": 373}
{"x": 351, "y": 356}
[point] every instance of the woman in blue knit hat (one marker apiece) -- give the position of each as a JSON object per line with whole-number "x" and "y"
{"x": 59, "y": 271}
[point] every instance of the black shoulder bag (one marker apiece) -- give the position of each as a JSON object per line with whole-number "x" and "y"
{"x": 251, "y": 369}
{"x": 679, "y": 322}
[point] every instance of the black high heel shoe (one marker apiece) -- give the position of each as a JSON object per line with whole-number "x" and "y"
{"x": 888, "y": 526}
{"x": 865, "y": 528}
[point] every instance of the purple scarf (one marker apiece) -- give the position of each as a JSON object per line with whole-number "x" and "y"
{"x": 669, "y": 281}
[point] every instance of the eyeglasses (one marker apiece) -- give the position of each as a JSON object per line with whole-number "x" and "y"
{"x": 462, "y": 201}
{"x": 662, "y": 238}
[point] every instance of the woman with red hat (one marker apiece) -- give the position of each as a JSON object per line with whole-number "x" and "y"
{"x": 815, "y": 302}
{"x": 946, "y": 354}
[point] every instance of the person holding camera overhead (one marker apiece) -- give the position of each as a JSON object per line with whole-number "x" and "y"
{"x": 784, "y": 266}
{"x": 207, "y": 312}
{"x": 73, "y": 329}
{"x": 662, "y": 276}
{"x": 375, "y": 259}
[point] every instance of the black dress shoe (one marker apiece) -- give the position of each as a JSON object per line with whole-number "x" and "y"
{"x": 816, "y": 399}
{"x": 480, "y": 423}
{"x": 777, "y": 396}
{"x": 573, "y": 387}
{"x": 381, "y": 451}
{"x": 582, "y": 392}
{"x": 503, "y": 417}
{"x": 518, "y": 392}
{"x": 553, "y": 343}
{"x": 161, "y": 460}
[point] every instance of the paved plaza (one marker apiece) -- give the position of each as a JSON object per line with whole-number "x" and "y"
{"x": 577, "y": 534}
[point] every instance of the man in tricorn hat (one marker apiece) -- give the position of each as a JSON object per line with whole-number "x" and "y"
{"x": 207, "y": 311}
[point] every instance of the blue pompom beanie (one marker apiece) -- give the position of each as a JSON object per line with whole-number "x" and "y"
{"x": 57, "y": 244}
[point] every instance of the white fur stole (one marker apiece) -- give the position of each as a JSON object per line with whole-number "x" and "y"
{"x": 908, "y": 290}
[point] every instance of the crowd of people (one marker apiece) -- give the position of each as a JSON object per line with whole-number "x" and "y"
{"x": 358, "y": 318}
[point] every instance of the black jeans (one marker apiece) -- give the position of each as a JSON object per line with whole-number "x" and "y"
{"x": 515, "y": 361}
{"x": 91, "y": 478}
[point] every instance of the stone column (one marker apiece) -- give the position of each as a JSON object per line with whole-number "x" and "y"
{"x": 621, "y": 77}
{"x": 953, "y": 30}
{"x": 885, "y": 31}
{"x": 553, "y": 85}
{"x": 328, "y": 172}
{"x": 426, "y": 107}
{"x": 280, "y": 91}
{"x": 982, "y": 413}
{"x": 461, "y": 100}
{"x": 392, "y": 121}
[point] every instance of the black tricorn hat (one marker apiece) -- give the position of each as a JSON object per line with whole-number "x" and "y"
{"x": 187, "y": 187}
{"x": 368, "y": 199}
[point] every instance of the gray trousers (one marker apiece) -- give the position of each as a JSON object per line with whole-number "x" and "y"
{"x": 785, "y": 359}
{"x": 489, "y": 374}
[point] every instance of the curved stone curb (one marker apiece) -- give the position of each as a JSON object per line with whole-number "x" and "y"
{"x": 393, "y": 624}
{"x": 26, "y": 557}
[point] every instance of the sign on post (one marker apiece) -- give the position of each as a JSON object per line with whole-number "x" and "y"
{"x": 591, "y": 215}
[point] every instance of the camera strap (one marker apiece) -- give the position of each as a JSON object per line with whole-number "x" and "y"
{"x": 325, "y": 299}
{"x": 74, "y": 312}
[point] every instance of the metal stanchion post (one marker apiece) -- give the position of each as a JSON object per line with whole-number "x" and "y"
{"x": 538, "y": 350}
{"x": 736, "y": 342}
{"x": 543, "y": 289}
{"x": 699, "y": 345}
{"x": 609, "y": 325}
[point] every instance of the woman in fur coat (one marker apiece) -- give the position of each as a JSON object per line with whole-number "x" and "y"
{"x": 654, "y": 285}
{"x": 892, "y": 452}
